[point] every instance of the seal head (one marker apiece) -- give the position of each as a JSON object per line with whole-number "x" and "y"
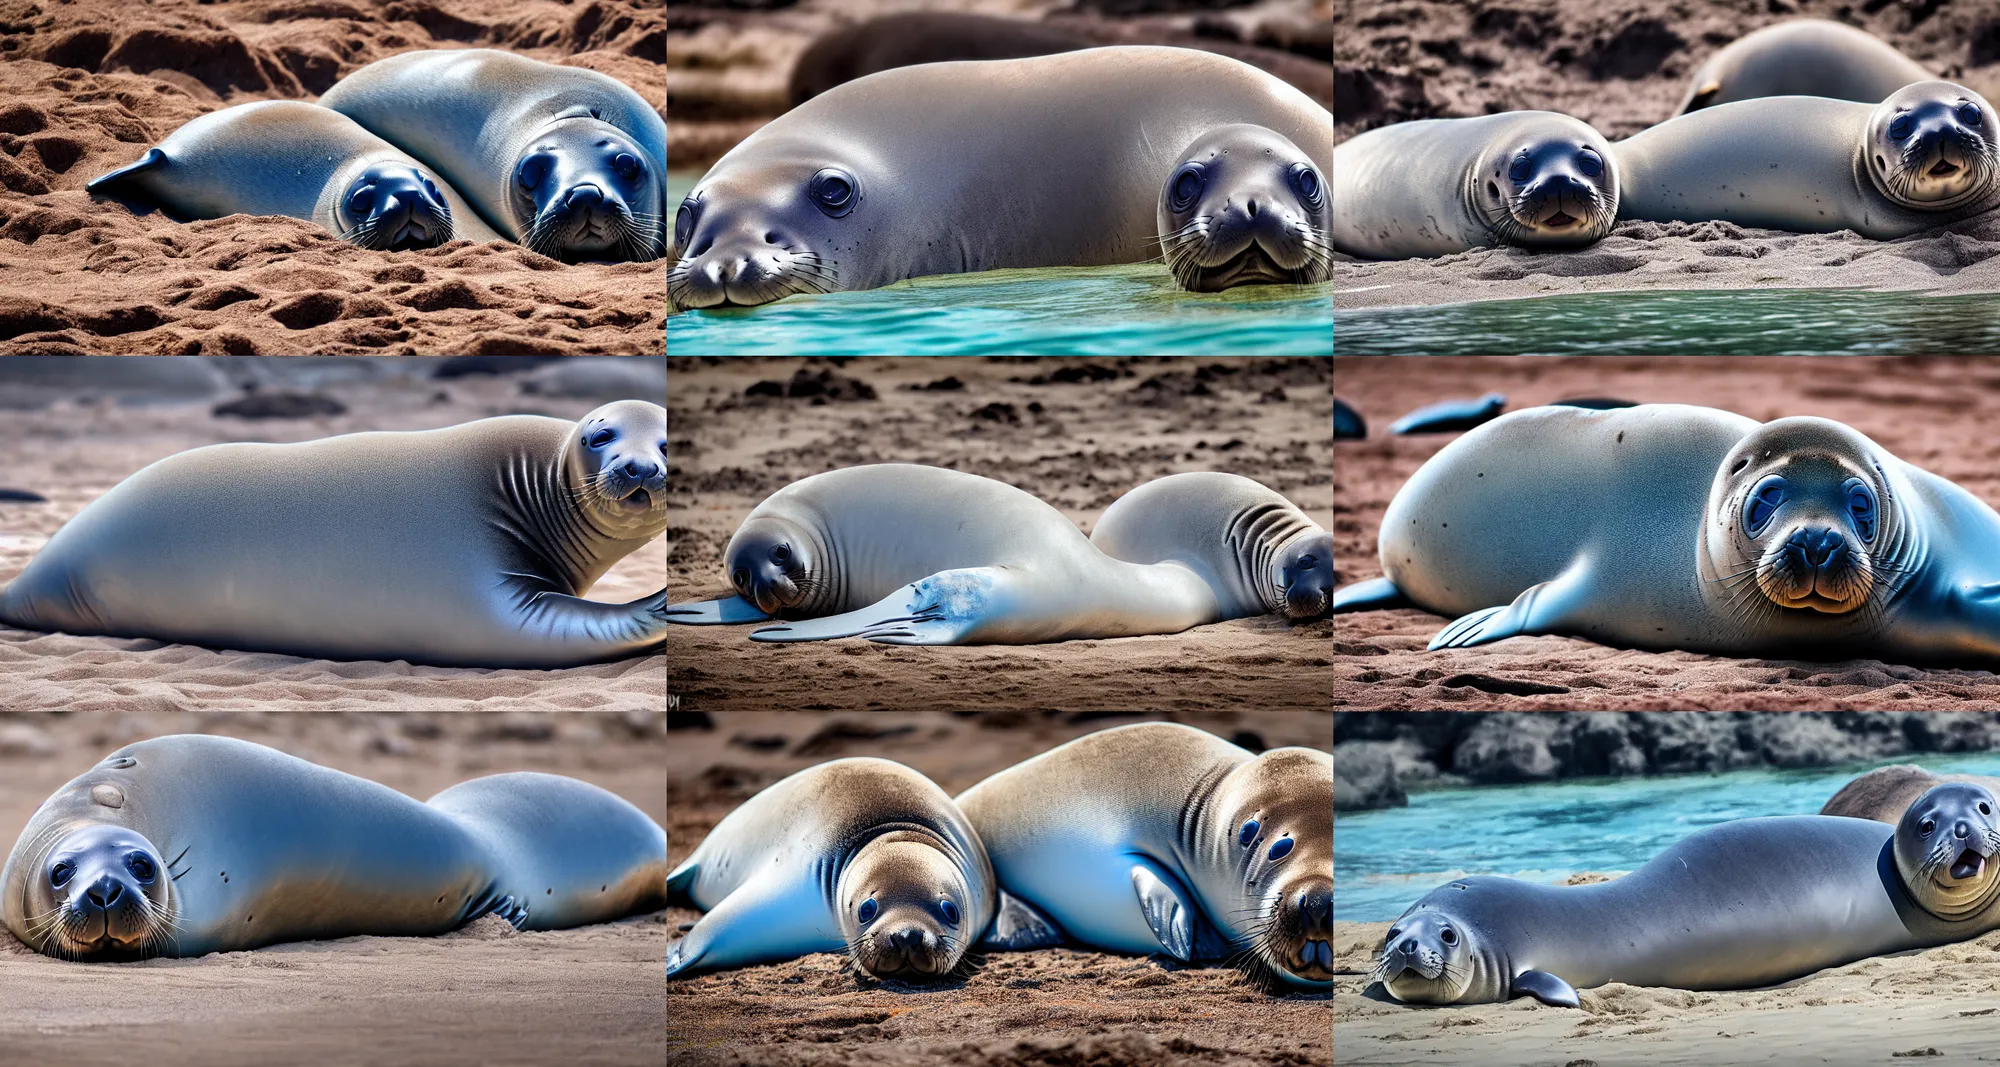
{"x": 903, "y": 906}
{"x": 1427, "y": 958}
{"x": 616, "y": 464}
{"x": 1946, "y": 845}
{"x": 1305, "y": 575}
{"x": 1244, "y": 206}
{"x": 776, "y": 564}
{"x": 1279, "y": 834}
{"x": 765, "y": 234}
{"x": 584, "y": 190}
{"x": 1931, "y": 146}
{"x": 392, "y": 206}
{"x": 98, "y": 890}
{"x": 1552, "y": 187}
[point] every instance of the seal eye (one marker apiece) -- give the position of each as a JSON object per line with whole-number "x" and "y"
{"x": 1926, "y": 827}
{"x": 1762, "y": 504}
{"x": 684, "y": 223}
{"x": 1589, "y": 164}
{"x": 1968, "y": 113}
{"x": 1448, "y": 936}
{"x": 1305, "y": 182}
{"x": 1188, "y": 184}
{"x": 1522, "y": 169}
{"x": 531, "y": 172}
{"x": 602, "y": 437}
{"x": 950, "y": 911}
{"x": 1861, "y": 507}
{"x": 627, "y": 165}
{"x": 834, "y": 191}
{"x": 1249, "y": 833}
{"x": 121, "y": 762}
{"x": 361, "y": 200}
{"x": 1899, "y": 127}
{"x": 140, "y": 866}
{"x": 62, "y": 873}
{"x": 1984, "y": 808}
{"x": 782, "y": 554}
{"x": 1308, "y": 561}
{"x": 1282, "y": 849}
{"x": 868, "y": 910}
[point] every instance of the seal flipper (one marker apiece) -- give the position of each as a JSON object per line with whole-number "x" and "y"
{"x": 1375, "y": 594}
{"x": 680, "y": 883}
{"x": 947, "y": 608}
{"x": 764, "y": 920}
{"x": 1540, "y": 609}
{"x": 568, "y": 631}
{"x": 1546, "y": 988}
{"x": 726, "y": 611}
{"x": 1171, "y": 915}
{"x": 1018, "y": 926}
{"x": 152, "y": 160}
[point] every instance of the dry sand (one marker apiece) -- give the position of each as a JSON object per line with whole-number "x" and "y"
{"x": 1089, "y": 442}
{"x": 73, "y": 452}
{"x": 1934, "y": 413}
{"x": 1623, "y": 65}
{"x": 1022, "y": 1009}
{"x": 89, "y": 85}
{"x": 485, "y": 995}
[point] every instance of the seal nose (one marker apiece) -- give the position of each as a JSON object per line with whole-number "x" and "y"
{"x": 1816, "y": 548}
{"x": 1316, "y": 904}
{"x": 583, "y": 196}
{"x": 105, "y": 892}
{"x": 909, "y": 939}
{"x": 638, "y": 471}
{"x": 1409, "y": 946}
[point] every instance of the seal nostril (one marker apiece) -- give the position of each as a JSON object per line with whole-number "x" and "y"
{"x": 1409, "y": 945}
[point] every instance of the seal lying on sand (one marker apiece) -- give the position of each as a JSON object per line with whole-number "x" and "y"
{"x": 1885, "y": 793}
{"x": 190, "y": 844}
{"x": 1802, "y": 57}
{"x": 906, "y": 38}
{"x": 1745, "y": 904}
{"x": 1256, "y": 549}
{"x": 1665, "y": 526}
{"x": 465, "y": 546}
{"x": 1162, "y": 839}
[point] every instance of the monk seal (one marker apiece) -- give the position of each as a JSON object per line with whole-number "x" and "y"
{"x": 465, "y": 546}
{"x": 913, "y": 555}
{"x": 949, "y": 168}
{"x": 863, "y": 855}
{"x": 1927, "y": 155}
{"x": 567, "y": 161}
{"x": 1802, "y": 57}
{"x": 1158, "y": 838}
{"x": 1741, "y": 905}
{"x": 1245, "y": 207}
{"x": 283, "y": 157}
{"x": 1438, "y": 186}
{"x": 1885, "y": 793}
{"x": 1664, "y": 526}
{"x": 906, "y": 38}
{"x": 190, "y": 844}
{"x": 1257, "y": 550}
{"x": 1451, "y": 416}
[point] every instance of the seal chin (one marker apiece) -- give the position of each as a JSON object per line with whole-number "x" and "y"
{"x": 910, "y": 954}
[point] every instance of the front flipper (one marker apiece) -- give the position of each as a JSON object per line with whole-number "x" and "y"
{"x": 947, "y": 608}
{"x": 1019, "y": 926}
{"x": 1546, "y": 988}
{"x": 775, "y": 917}
{"x": 1375, "y": 594}
{"x": 1541, "y": 608}
{"x": 569, "y": 631}
{"x": 680, "y": 883}
{"x": 152, "y": 160}
{"x": 1168, "y": 911}
{"x": 724, "y": 612}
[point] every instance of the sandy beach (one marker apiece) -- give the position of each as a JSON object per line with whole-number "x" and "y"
{"x": 483, "y": 995}
{"x": 1054, "y": 1006}
{"x": 1076, "y": 433}
{"x": 1622, "y": 66}
{"x": 1930, "y": 412}
{"x": 71, "y": 445}
{"x": 90, "y": 85}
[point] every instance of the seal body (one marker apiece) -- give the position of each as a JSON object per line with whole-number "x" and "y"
{"x": 1160, "y": 838}
{"x": 858, "y": 855}
{"x": 567, "y": 161}
{"x": 1244, "y": 206}
{"x": 1439, "y": 186}
{"x": 907, "y": 554}
{"x": 907, "y": 38}
{"x": 1802, "y": 57}
{"x": 284, "y": 157}
{"x": 1885, "y": 793}
{"x": 465, "y": 546}
{"x": 247, "y": 846}
{"x": 1665, "y": 526}
{"x": 1921, "y": 158}
{"x": 1257, "y": 550}
{"x": 948, "y": 168}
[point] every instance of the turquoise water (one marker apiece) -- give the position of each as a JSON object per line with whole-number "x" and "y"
{"x": 1385, "y": 860}
{"x": 1128, "y": 309}
{"x": 1702, "y": 322}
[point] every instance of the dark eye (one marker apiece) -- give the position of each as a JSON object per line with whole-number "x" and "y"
{"x": 1589, "y": 164}
{"x": 1899, "y": 127}
{"x": 1762, "y": 504}
{"x": 1308, "y": 561}
{"x": 140, "y": 866}
{"x": 1249, "y": 833}
{"x": 1188, "y": 184}
{"x": 1448, "y": 936}
{"x": 1523, "y": 168}
{"x": 532, "y": 172}
{"x": 1968, "y": 113}
{"x": 834, "y": 192}
{"x": 1984, "y": 809}
{"x": 950, "y": 911}
{"x": 684, "y": 224}
{"x": 782, "y": 553}
{"x": 62, "y": 873}
{"x": 1305, "y": 182}
{"x": 1861, "y": 506}
{"x": 1926, "y": 827}
{"x": 868, "y": 910}
{"x": 626, "y": 164}
{"x": 602, "y": 437}
{"x": 1282, "y": 849}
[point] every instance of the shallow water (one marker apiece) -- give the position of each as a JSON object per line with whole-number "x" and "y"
{"x": 1385, "y": 860}
{"x": 1694, "y": 322}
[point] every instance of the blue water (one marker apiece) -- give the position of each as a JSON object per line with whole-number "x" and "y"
{"x": 1383, "y": 861}
{"x": 1699, "y": 322}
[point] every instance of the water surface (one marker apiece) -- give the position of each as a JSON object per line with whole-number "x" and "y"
{"x": 1385, "y": 860}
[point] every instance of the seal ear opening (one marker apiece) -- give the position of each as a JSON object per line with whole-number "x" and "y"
{"x": 152, "y": 160}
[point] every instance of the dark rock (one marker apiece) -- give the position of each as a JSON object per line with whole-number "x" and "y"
{"x": 821, "y": 388}
{"x": 1508, "y": 747}
{"x": 280, "y": 405}
{"x": 1364, "y": 777}
{"x": 689, "y": 720}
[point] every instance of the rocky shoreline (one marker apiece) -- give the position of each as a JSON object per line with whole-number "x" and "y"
{"x": 1378, "y": 756}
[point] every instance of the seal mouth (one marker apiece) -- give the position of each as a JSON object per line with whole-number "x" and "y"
{"x": 1944, "y": 168}
{"x": 1560, "y": 219}
{"x": 1313, "y": 960}
{"x": 1968, "y": 866}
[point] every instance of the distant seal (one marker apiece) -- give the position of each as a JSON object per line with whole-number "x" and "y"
{"x": 1245, "y": 206}
{"x": 1927, "y": 155}
{"x": 465, "y": 546}
{"x": 1439, "y": 186}
{"x": 191, "y": 844}
{"x": 567, "y": 161}
{"x": 284, "y": 157}
{"x": 1162, "y": 839}
{"x": 1451, "y": 416}
{"x": 1802, "y": 57}
{"x": 907, "y": 38}
{"x": 913, "y": 555}
{"x": 862, "y": 856}
{"x": 1885, "y": 793}
{"x": 1664, "y": 526}
{"x": 1347, "y": 422}
{"x": 950, "y": 168}
{"x": 1257, "y": 550}
{"x": 1742, "y": 905}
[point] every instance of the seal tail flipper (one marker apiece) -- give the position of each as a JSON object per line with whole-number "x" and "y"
{"x": 152, "y": 160}
{"x": 1019, "y": 926}
{"x": 947, "y": 608}
{"x": 1375, "y": 594}
{"x": 1546, "y": 988}
{"x": 726, "y": 611}
{"x": 680, "y": 884}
